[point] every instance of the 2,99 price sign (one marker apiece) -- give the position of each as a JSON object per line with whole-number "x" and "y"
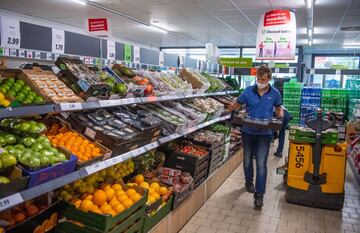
{"x": 10, "y": 33}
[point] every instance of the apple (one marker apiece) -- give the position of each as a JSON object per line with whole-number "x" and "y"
{"x": 44, "y": 160}
{"x": 10, "y": 139}
{"x": 8, "y": 160}
{"x": 25, "y": 126}
{"x": 20, "y": 147}
{"x": 29, "y": 141}
{"x": 34, "y": 162}
{"x": 37, "y": 147}
{"x": 2, "y": 141}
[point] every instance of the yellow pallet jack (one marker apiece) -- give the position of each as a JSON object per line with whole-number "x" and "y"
{"x": 316, "y": 173}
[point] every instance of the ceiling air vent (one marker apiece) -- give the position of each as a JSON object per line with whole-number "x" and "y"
{"x": 350, "y": 29}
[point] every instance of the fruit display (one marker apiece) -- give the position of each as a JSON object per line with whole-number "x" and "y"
{"x": 45, "y": 82}
{"x": 155, "y": 189}
{"x": 208, "y": 137}
{"x": 198, "y": 82}
{"x": 207, "y": 105}
{"x": 194, "y": 116}
{"x": 6, "y": 160}
{"x": 225, "y": 100}
{"x": 22, "y": 127}
{"x": 148, "y": 162}
{"x": 83, "y": 81}
{"x": 4, "y": 102}
{"x": 12, "y": 218}
{"x": 191, "y": 150}
{"x": 220, "y": 128}
{"x": 18, "y": 90}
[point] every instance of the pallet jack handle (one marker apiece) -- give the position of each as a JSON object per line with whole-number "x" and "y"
{"x": 319, "y": 124}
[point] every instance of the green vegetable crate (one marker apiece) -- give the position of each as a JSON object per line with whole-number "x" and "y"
{"x": 96, "y": 223}
{"x": 151, "y": 221}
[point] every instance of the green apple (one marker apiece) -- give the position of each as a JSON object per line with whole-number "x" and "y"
{"x": 16, "y": 87}
{"x": 26, "y": 90}
{"x": 8, "y": 160}
{"x": 34, "y": 162}
{"x": 35, "y": 129}
{"x": 5, "y": 123}
{"x": 61, "y": 157}
{"x": 25, "y": 126}
{"x": 44, "y": 160}
{"x": 4, "y": 180}
{"x": 54, "y": 150}
{"x": 10, "y": 139}
{"x": 39, "y": 100}
{"x": 20, "y": 82}
{"x": 17, "y": 152}
{"x": 46, "y": 153}
{"x": 29, "y": 141}
{"x": 2, "y": 141}
{"x": 20, "y": 147}
{"x": 42, "y": 139}
{"x": 37, "y": 147}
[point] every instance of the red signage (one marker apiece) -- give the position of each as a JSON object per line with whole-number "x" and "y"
{"x": 276, "y": 17}
{"x": 253, "y": 71}
{"x": 97, "y": 25}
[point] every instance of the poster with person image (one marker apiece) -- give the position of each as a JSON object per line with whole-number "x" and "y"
{"x": 276, "y": 36}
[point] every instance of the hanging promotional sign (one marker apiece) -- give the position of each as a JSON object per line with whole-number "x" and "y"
{"x": 276, "y": 36}
{"x": 236, "y": 62}
{"x": 98, "y": 27}
{"x": 136, "y": 54}
{"x": 161, "y": 58}
{"x": 58, "y": 41}
{"x": 111, "y": 50}
{"x": 10, "y": 33}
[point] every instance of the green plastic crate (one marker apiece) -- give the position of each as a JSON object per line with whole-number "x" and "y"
{"x": 151, "y": 221}
{"x": 102, "y": 222}
{"x": 302, "y": 139}
{"x": 305, "y": 132}
{"x": 134, "y": 223}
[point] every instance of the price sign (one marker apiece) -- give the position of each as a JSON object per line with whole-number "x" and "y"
{"x": 111, "y": 50}
{"x": 277, "y": 70}
{"x": 49, "y": 56}
{"x": 312, "y": 71}
{"x": 113, "y": 161}
{"x": 9, "y": 201}
{"x": 13, "y": 53}
{"x": 107, "y": 103}
{"x": 29, "y": 54}
{"x": 70, "y": 106}
{"x": 90, "y": 133}
{"x": 136, "y": 54}
{"x": 58, "y": 41}
{"x": 161, "y": 59}
{"x": 37, "y": 55}
{"x": 181, "y": 61}
{"x": 95, "y": 168}
{"x": 138, "y": 151}
{"x": 338, "y": 72}
{"x": 10, "y": 33}
{"x": 22, "y": 53}
{"x": 291, "y": 70}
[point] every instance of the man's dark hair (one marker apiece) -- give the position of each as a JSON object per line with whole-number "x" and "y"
{"x": 264, "y": 69}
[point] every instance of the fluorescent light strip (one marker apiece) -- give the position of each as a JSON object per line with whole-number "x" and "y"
{"x": 351, "y": 46}
{"x": 158, "y": 29}
{"x": 310, "y": 42}
{"x": 80, "y": 2}
{"x": 309, "y": 3}
{"x": 310, "y": 33}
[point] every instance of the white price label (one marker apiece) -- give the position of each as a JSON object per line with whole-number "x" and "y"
{"x": 192, "y": 129}
{"x": 37, "y": 55}
{"x": 113, "y": 161}
{"x": 95, "y": 168}
{"x": 181, "y": 61}
{"x": 277, "y": 70}
{"x": 174, "y": 136}
{"x": 312, "y": 71}
{"x": 291, "y": 70}
{"x": 22, "y": 53}
{"x": 161, "y": 59}
{"x": 111, "y": 50}
{"x": 58, "y": 41}
{"x": 13, "y": 53}
{"x": 70, "y": 106}
{"x": 29, "y": 54}
{"x": 49, "y": 56}
{"x": 136, "y": 54}
{"x": 9, "y": 201}
{"x": 90, "y": 133}
{"x": 10, "y": 33}
{"x": 107, "y": 103}
{"x": 139, "y": 151}
{"x": 338, "y": 72}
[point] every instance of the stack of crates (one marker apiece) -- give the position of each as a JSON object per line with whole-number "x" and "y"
{"x": 310, "y": 101}
{"x": 334, "y": 99}
{"x": 292, "y": 98}
{"x": 306, "y": 135}
{"x": 353, "y": 88}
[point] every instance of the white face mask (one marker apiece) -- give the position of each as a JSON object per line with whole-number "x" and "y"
{"x": 262, "y": 85}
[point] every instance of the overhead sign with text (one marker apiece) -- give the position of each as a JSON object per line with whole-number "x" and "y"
{"x": 98, "y": 27}
{"x": 236, "y": 62}
{"x": 276, "y": 36}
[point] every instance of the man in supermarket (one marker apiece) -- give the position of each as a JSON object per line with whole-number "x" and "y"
{"x": 259, "y": 100}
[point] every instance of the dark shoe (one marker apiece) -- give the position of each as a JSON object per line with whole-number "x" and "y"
{"x": 278, "y": 154}
{"x": 258, "y": 200}
{"x": 250, "y": 187}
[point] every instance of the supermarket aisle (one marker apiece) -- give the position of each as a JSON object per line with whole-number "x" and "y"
{"x": 230, "y": 209}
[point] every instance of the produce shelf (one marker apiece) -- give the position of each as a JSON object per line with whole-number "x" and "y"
{"x": 31, "y": 193}
{"x": 65, "y": 107}
{"x": 354, "y": 169}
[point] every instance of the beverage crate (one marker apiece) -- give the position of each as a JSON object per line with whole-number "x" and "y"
{"x": 303, "y": 139}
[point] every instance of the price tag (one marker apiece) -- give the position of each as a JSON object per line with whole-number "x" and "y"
{"x": 37, "y": 55}
{"x": 58, "y": 41}
{"x": 291, "y": 70}
{"x": 312, "y": 71}
{"x": 9, "y": 201}
{"x": 29, "y": 54}
{"x": 49, "y": 56}
{"x": 111, "y": 50}
{"x": 10, "y": 33}
{"x": 277, "y": 70}
{"x": 84, "y": 85}
{"x": 113, "y": 161}
{"x": 22, "y": 53}
{"x": 131, "y": 101}
{"x": 192, "y": 129}
{"x": 139, "y": 151}
{"x": 181, "y": 61}
{"x": 70, "y": 106}
{"x": 174, "y": 136}
{"x": 95, "y": 168}
{"x": 90, "y": 133}
{"x": 136, "y": 54}
{"x": 107, "y": 103}
{"x": 338, "y": 72}
{"x": 13, "y": 53}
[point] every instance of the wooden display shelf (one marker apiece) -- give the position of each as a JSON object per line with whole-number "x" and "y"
{"x": 177, "y": 218}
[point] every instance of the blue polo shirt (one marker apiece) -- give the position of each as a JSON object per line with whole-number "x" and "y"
{"x": 261, "y": 107}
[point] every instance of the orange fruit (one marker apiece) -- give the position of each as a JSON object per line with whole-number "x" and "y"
{"x": 155, "y": 186}
{"x": 128, "y": 203}
{"x": 105, "y": 208}
{"x": 114, "y": 202}
{"x": 151, "y": 199}
{"x": 86, "y": 205}
{"x": 105, "y": 186}
{"x": 157, "y": 196}
{"x": 119, "y": 192}
{"x": 163, "y": 191}
{"x": 116, "y": 187}
{"x": 139, "y": 179}
{"x": 19, "y": 217}
{"x": 135, "y": 197}
{"x": 129, "y": 192}
{"x": 31, "y": 210}
{"x": 119, "y": 208}
{"x": 113, "y": 213}
{"x": 122, "y": 197}
{"x": 95, "y": 209}
{"x": 99, "y": 197}
{"x": 87, "y": 196}
{"x": 145, "y": 185}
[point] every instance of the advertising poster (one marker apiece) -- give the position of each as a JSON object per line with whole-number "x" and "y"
{"x": 276, "y": 36}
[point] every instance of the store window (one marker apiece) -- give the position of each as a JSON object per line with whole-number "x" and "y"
{"x": 327, "y": 62}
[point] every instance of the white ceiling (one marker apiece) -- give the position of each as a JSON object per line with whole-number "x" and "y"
{"x": 196, "y": 22}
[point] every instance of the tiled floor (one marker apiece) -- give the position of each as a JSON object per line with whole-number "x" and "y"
{"x": 230, "y": 209}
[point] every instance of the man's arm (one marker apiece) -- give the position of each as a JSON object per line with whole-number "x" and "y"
{"x": 235, "y": 106}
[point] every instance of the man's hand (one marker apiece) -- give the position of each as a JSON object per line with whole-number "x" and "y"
{"x": 279, "y": 111}
{"x": 234, "y": 106}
